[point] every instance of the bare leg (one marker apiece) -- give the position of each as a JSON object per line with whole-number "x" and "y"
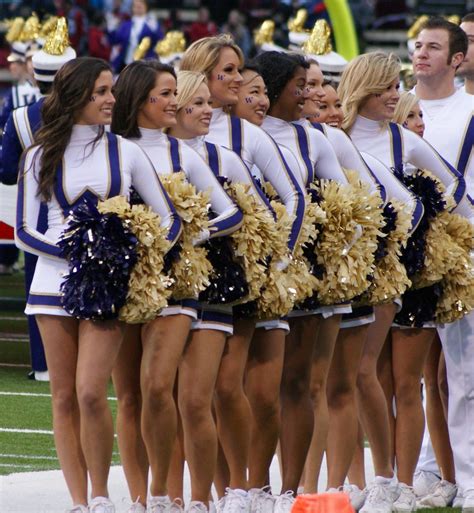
{"x": 59, "y": 335}
{"x": 99, "y": 344}
{"x": 372, "y": 404}
{"x": 322, "y": 356}
{"x": 232, "y": 406}
{"x": 197, "y": 379}
{"x": 126, "y": 378}
{"x": 342, "y": 436}
{"x": 262, "y": 386}
{"x": 176, "y": 471}
{"x": 163, "y": 341}
{"x": 410, "y": 348}
{"x": 385, "y": 376}
{"x": 222, "y": 477}
{"x": 356, "y": 474}
{"x": 296, "y": 407}
{"x": 436, "y": 422}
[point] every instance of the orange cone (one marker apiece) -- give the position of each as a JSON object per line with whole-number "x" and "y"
{"x": 322, "y": 503}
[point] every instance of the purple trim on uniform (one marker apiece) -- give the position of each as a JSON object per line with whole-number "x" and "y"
{"x": 114, "y": 160}
{"x": 236, "y": 132}
{"x": 45, "y": 72}
{"x": 44, "y": 300}
{"x": 304, "y": 148}
{"x": 185, "y": 303}
{"x": 213, "y": 316}
{"x": 174, "y": 153}
{"x": 21, "y": 232}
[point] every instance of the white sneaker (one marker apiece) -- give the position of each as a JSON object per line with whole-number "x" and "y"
{"x": 158, "y": 504}
{"x": 212, "y": 507}
{"x": 79, "y": 508}
{"x": 197, "y": 507}
{"x": 442, "y": 496}
{"x": 459, "y": 499}
{"x": 381, "y": 494}
{"x": 468, "y": 503}
{"x": 136, "y": 507}
{"x": 101, "y": 505}
{"x": 406, "y": 502}
{"x": 284, "y": 502}
{"x": 356, "y": 495}
{"x": 424, "y": 483}
{"x": 236, "y": 501}
{"x": 261, "y": 500}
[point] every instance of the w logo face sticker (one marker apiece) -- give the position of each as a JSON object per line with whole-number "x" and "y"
{"x": 188, "y": 110}
{"x": 220, "y": 77}
{"x": 248, "y": 99}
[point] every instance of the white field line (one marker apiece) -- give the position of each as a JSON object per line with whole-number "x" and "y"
{"x": 26, "y": 457}
{"x": 23, "y": 365}
{"x": 26, "y": 431}
{"x": 12, "y": 465}
{"x": 37, "y": 394}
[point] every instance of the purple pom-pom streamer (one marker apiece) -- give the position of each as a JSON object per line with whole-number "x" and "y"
{"x": 101, "y": 252}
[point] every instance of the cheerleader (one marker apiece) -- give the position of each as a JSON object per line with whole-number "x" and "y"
{"x": 266, "y": 352}
{"x": 287, "y": 99}
{"x": 74, "y": 159}
{"x": 330, "y": 107}
{"x": 146, "y": 104}
{"x": 194, "y": 105}
{"x": 409, "y": 114}
{"x": 220, "y": 59}
{"x": 369, "y": 92}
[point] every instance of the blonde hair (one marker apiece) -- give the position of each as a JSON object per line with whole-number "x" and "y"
{"x": 368, "y": 74}
{"x": 203, "y": 55}
{"x": 405, "y": 104}
{"x": 188, "y": 83}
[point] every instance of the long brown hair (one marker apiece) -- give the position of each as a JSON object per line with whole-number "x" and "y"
{"x": 72, "y": 88}
{"x": 131, "y": 91}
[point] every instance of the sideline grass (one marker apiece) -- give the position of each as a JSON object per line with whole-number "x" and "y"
{"x": 20, "y": 451}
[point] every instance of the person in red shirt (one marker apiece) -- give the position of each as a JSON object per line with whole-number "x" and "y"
{"x": 96, "y": 39}
{"x": 202, "y": 27}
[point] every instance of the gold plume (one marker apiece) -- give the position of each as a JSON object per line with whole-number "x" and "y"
{"x": 296, "y": 24}
{"x": 413, "y": 31}
{"x": 319, "y": 42}
{"x": 264, "y": 34}
{"x": 58, "y": 40}
{"x": 173, "y": 42}
{"x": 48, "y": 26}
{"x": 454, "y": 18}
{"x": 15, "y": 27}
{"x": 142, "y": 49}
{"x": 31, "y": 28}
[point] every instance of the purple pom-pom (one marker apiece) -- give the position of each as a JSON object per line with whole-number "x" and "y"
{"x": 101, "y": 252}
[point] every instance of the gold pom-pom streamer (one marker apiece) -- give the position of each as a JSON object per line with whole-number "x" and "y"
{"x": 14, "y": 29}
{"x": 254, "y": 240}
{"x": 58, "y": 40}
{"x": 457, "y": 298}
{"x": 31, "y": 29}
{"x": 149, "y": 288}
{"x": 348, "y": 241}
{"x": 141, "y": 49}
{"x": 192, "y": 270}
{"x": 294, "y": 284}
{"x": 390, "y": 278}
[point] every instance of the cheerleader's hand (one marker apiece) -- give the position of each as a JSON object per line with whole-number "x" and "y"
{"x": 201, "y": 238}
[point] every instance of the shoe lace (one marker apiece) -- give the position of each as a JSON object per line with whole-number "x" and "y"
{"x": 259, "y": 499}
{"x": 157, "y": 505}
{"x": 377, "y": 493}
{"x": 101, "y": 505}
{"x": 234, "y": 502}
{"x": 77, "y": 509}
{"x": 285, "y": 498}
{"x": 407, "y": 495}
{"x": 133, "y": 507}
{"x": 197, "y": 507}
{"x": 176, "y": 506}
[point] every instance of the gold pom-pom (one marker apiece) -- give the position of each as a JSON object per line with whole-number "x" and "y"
{"x": 390, "y": 278}
{"x": 457, "y": 298}
{"x": 348, "y": 241}
{"x": 191, "y": 271}
{"x": 148, "y": 288}
{"x": 253, "y": 241}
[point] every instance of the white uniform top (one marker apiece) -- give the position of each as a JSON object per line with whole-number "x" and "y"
{"x": 346, "y": 153}
{"x": 374, "y": 138}
{"x": 322, "y": 162}
{"x": 449, "y": 128}
{"x": 24, "y": 94}
{"x": 167, "y": 158}
{"x": 86, "y": 171}
{"x": 229, "y": 165}
{"x": 257, "y": 148}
